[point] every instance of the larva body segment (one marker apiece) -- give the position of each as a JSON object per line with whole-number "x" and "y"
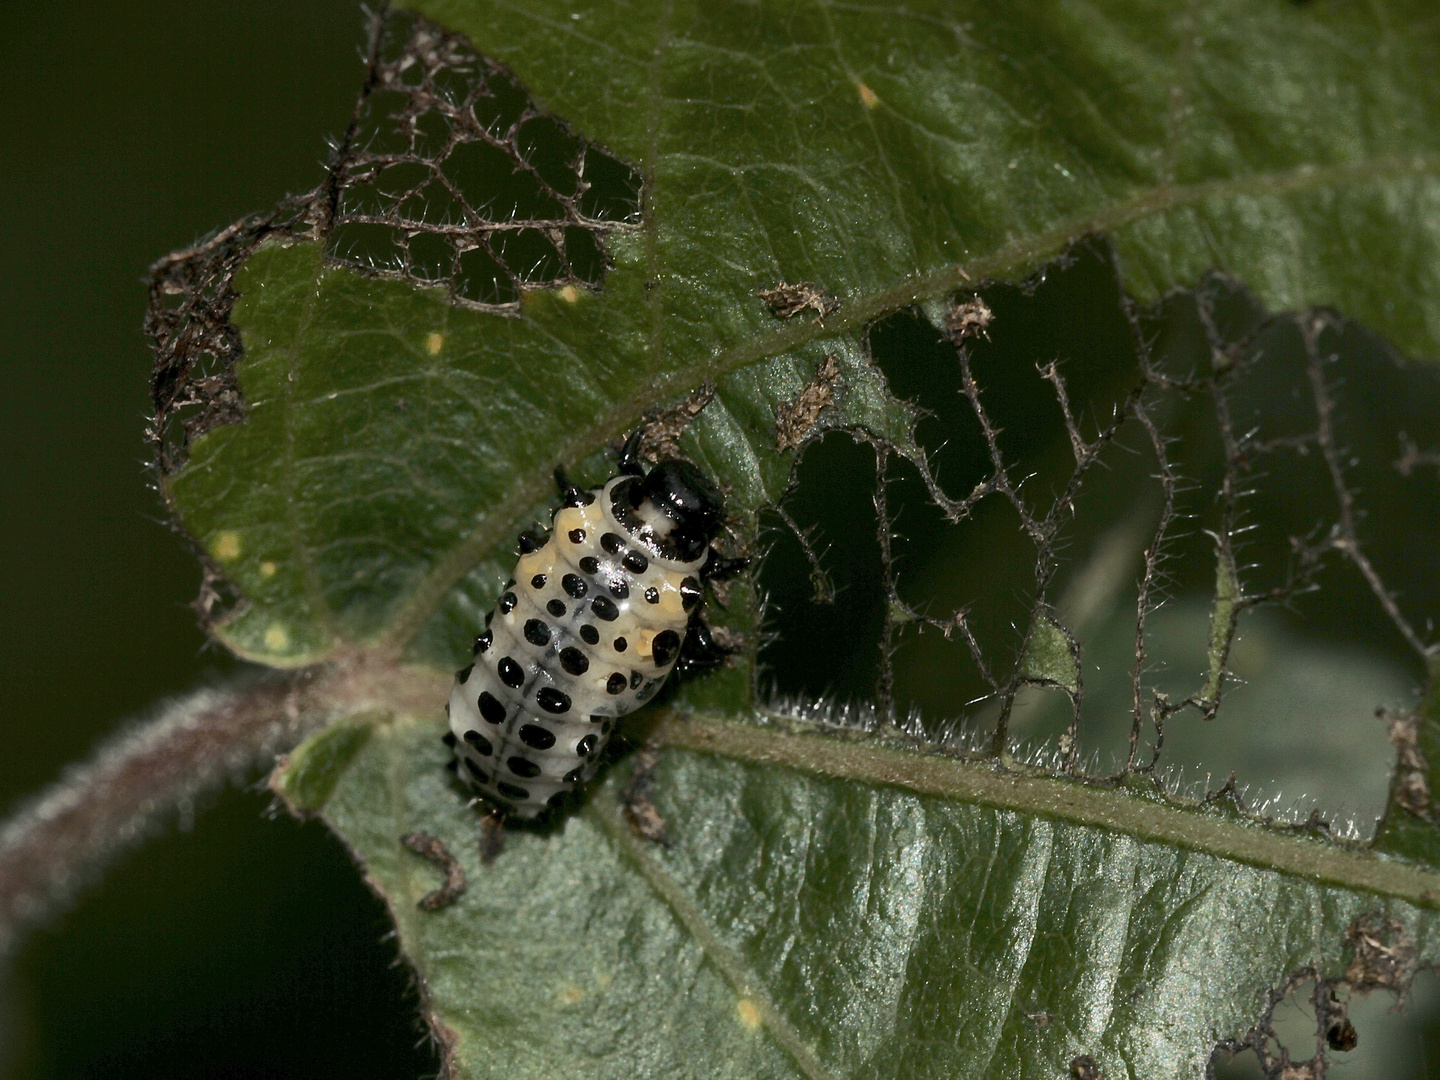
{"x": 588, "y": 631}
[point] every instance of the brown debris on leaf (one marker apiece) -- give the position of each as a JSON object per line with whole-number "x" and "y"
{"x": 795, "y": 420}
{"x": 785, "y": 301}
{"x": 492, "y": 836}
{"x": 1410, "y": 784}
{"x": 967, "y": 320}
{"x": 661, "y": 438}
{"x": 635, "y": 802}
{"x": 1383, "y": 956}
{"x": 435, "y": 852}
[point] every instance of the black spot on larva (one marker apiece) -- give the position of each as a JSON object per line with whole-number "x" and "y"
{"x": 491, "y": 709}
{"x": 475, "y": 771}
{"x": 620, "y": 644}
{"x": 510, "y": 672}
{"x": 690, "y": 593}
{"x": 619, "y": 589}
{"x": 590, "y": 564}
{"x": 552, "y": 700}
{"x": 538, "y": 581}
{"x": 604, "y": 608}
{"x": 509, "y": 584}
{"x": 646, "y": 692}
{"x": 449, "y": 737}
{"x": 664, "y": 647}
{"x": 452, "y": 765}
{"x": 587, "y": 744}
{"x": 611, "y": 542}
{"x": 574, "y": 776}
{"x": 652, "y": 595}
{"x": 589, "y": 635}
{"x": 574, "y": 661}
{"x": 605, "y": 726}
{"x": 515, "y": 791}
{"x": 635, "y": 679}
{"x": 508, "y": 602}
{"x": 635, "y": 562}
{"x": 537, "y": 737}
{"x": 556, "y": 608}
{"x": 615, "y": 684}
{"x": 529, "y": 542}
{"x": 479, "y": 742}
{"x": 557, "y": 800}
{"x": 577, "y": 536}
{"x": 536, "y": 632}
{"x": 576, "y": 497}
{"x": 522, "y": 767}
{"x": 464, "y": 673}
{"x": 482, "y": 643}
{"x": 574, "y": 584}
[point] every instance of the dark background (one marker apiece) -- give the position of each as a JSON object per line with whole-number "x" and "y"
{"x": 243, "y": 946}
{"x": 246, "y": 945}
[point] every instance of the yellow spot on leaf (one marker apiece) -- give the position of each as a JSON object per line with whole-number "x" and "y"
{"x": 748, "y": 1014}
{"x": 267, "y": 569}
{"x": 868, "y": 97}
{"x": 434, "y": 343}
{"x": 569, "y": 294}
{"x": 570, "y": 995}
{"x": 226, "y": 546}
{"x": 277, "y": 638}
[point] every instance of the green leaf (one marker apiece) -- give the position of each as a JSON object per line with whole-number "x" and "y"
{"x": 834, "y": 909}
{"x": 831, "y": 905}
{"x": 1050, "y": 656}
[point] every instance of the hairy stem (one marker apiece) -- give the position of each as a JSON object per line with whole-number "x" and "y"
{"x": 140, "y": 780}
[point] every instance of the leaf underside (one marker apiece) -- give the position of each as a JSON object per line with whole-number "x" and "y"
{"x": 362, "y": 397}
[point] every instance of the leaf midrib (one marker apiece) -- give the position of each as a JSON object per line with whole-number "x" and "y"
{"x": 365, "y": 682}
{"x": 1329, "y": 862}
{"x": 461, "y": 559}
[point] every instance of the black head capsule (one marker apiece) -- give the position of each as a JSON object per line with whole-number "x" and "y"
{"x": 674, "y": 507}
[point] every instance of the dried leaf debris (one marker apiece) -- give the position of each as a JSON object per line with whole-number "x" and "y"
{"x": 437, "y": 182}
{"x": 796, "y": 420}
{"x": 785, "y": 301}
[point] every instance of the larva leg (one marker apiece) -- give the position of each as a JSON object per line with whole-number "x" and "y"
{"x": 629, "y": 462}
{"x": 717, "y": 568}
{"x": 699, "y": 652}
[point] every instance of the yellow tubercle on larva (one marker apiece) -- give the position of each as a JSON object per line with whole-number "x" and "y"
{"x": 541, "y": 561}
{"x": 672, "y": 604}
{"x": 645, "y": 645}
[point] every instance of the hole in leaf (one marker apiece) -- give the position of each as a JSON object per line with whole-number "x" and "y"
{"x": 399, "y": 180}
{"x": 482, "y": 279}
{"x": 826, "y": 650}
{"x": 431, "y": 256}
{"x": 551, "y": 151}
{"x": 374, "y": 246}
{"x": 587, "y": 261}
{"x": 529, "y": 255}
{"x": 613, "y": 193}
